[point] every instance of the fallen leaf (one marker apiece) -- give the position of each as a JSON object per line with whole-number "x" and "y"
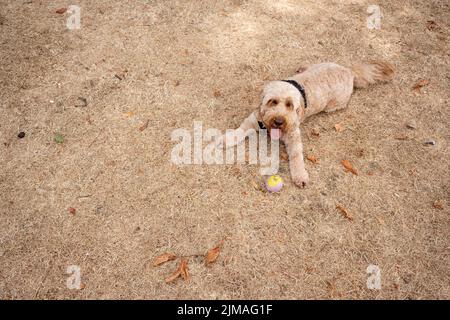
{"x": 284, "y": 155}
{"x": 348, "y": 167}
{"x": 338, "y": 127}
{"x": 331, "y": 286}
{"x": 173, "y": 276}
{"x": 144, "y": 126}
{"x": 184, "y": 270}
{"x": 344, "y": 212}
{"x": 61, "y": 10}
{"x": 164, "y": 258}
{"x": 438, "y": 205}
{"x": 212, "y": 254}
{"x": 312, "y": 158}
{"x": 315, "y": 132}
{"x": 217, "y": 93}
{"x": 309, "y": 269}
{"x": 401, "y": 136}
{"x": 420, "y": 84}
{"x": 72, "y": 211}
{"x": 432, "y": 25}
{"x": 128, "y": 114}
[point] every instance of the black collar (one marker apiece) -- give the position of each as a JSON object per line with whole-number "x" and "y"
{"x": 261, "y": 125}
{"x": 299, "y": 88}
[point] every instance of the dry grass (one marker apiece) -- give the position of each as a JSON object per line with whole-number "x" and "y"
{"x": 205, "y": 60}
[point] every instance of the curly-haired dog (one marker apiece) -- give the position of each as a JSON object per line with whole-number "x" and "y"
{"x": 315, "y": 88}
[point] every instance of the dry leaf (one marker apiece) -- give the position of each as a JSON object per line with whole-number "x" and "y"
{"x": 128, "y": 114}
{"x": 212, "y": 254}
{"x": 438, "y": 205}
{"x": 312, "y": 158}
{"x": 144, "y": 126}
{"x": 420, "y": 84}
{"x": 217, "y": 94}
{"x": 184, "y": 270}
{"x": 72, "y": 211}
{"x": 344, "y": 212}
{"x": 401, "y": 136}
{"x": 348, "y": 167}
{"x": 284, "y": 155}
{"x": 331, "y": 286}
{"x": 164, "y": 258}
{"x": 315, "y": 132}
{"x": 61, "y": 10}
{"x": 432, "y": 25}
{"x": 338, "y": 127}
{"x": 174, "y": 276}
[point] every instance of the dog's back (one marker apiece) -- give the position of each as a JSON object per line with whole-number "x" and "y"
{"x": 329, "y": 85}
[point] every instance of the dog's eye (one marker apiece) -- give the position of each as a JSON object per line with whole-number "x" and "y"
{"x": 272, "y": 102}
{"x": 289, "y": 105}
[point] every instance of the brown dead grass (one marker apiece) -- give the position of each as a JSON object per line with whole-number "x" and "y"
{"x": 206, "y": 60}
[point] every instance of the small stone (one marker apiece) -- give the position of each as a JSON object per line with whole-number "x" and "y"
{"x": 21, "y": 135}
{"x": 411, "y": 124}
{"x": 430, "y": 142}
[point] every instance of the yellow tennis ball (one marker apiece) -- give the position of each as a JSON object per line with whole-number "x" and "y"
{"x": 274, "y": 183}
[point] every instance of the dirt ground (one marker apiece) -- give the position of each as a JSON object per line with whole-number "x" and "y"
{"x": 173, "y": 62}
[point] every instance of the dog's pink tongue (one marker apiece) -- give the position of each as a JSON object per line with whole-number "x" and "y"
{"x": 275, "y": 134}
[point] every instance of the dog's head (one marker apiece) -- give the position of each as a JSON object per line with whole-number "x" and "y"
{"x": 280, "y": 108}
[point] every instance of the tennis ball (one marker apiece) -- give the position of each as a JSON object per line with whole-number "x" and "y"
{"x": 274, "y": 183}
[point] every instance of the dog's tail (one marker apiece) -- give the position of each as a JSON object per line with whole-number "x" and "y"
{"x": 372, "y": 72}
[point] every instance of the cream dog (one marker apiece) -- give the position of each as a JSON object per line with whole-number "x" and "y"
{"x": 315, "y": 88}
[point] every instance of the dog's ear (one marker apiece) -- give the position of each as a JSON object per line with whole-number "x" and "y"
{"x": 300, "y": 112}
{"x": 258, "y": 109}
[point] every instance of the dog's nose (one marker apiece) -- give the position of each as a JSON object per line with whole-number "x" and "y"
{"x": 278, "y": 121}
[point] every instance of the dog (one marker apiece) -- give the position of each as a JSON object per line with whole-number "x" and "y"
{"x": 284, "y": 104}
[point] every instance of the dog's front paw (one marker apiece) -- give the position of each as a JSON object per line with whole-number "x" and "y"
{"x": 301, "y": 179}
